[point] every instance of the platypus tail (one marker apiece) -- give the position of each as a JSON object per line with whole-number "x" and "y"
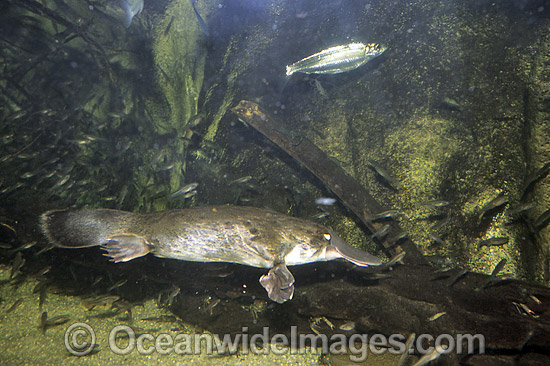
{"x": 83, "y": 228}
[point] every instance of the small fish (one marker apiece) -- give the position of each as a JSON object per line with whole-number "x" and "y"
{"x": 42, "y": 321}
{"x": 385, "y": 175}
{"x": 436, "y": 316}
{"x": 388, "y": 214}
{"x": 539, "y": 174}
{"x": 161, "y": 319}
{"x": 522, "y": 208}
{"x": 494, "y": 203}
{"x": 347, "y": 326}
{"x": 498, "y": 267}
{"x": 28, "y": 175}
{"x": 42, "y": 297}
{"x": 117, "y": 285}
{"x": 497, "y": 281}
{"x": 18, "y": 262}
{"x": 398, "y": 237}
{"x": 337, "y": 59}
{"x": 496, "y": 241}
{"x": 131, "y": 9}
{"x": 378, "y": 276}
{"x": 382, "y": 232}
{"x": 14, "y": 306}
{"x": 436, "y": 238}
{"x": 189, "y": 194}
{"x": 458, "y": 277}
{"x": 396, "y": 258}
{"x": 320, "y": 89}
{"x": 202, "y": 24}
{"x": 26, "y": 246}
{"x": 543, "y": 220}
{"x": 320, "y": 215}
{"x": 96, "y": 281}
{"x": 430, "y": 356}
{"x": 100, "y": 301}
{"x": 185, "y": 189}
{"x": 167, "y": 30}
{"x": 157, "y": 157}
{"x": 240, "y": 180}
{"x": 43, "y": 271}
{"x": 436, "y": 203}
{"x": 451, "y": 104}
{"x": 441, "y": 223}
{"x": 172, "y": 295}
{"x": 9, "y": 227}
{"x": 408, "y": 350}
{"x": 52, "y": 322}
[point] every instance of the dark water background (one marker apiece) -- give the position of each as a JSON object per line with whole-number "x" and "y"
{"x": 97, "y": 115}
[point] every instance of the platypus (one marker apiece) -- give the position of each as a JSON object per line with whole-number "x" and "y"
{"x": 245, "y": 235}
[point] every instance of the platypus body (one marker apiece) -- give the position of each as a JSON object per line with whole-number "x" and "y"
{"x": 245, "y": 235}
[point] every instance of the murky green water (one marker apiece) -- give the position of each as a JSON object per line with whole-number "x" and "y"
{"x": 447, "y": 126}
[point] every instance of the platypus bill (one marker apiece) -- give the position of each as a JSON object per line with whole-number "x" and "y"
{"x": 244, "y": 235}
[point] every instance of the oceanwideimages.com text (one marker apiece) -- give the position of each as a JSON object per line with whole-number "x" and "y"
{"x": 80, "y": 340}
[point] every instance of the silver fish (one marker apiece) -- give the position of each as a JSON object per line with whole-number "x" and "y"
{"x": 131, "y": 9}
{"x": 337, "y": 59}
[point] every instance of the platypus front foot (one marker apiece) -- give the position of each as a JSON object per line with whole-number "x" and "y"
{"x": 279, "y": 283}
{"x": 122, "y": 248}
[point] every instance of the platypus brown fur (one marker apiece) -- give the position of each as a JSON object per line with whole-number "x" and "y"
{"x": 246, "y": 235}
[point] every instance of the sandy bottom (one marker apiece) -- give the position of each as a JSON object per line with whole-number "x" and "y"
{"x": 171, "y": 342}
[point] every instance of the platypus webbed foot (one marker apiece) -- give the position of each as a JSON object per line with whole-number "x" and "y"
{"x": 279, "y": 283}
{"x": 123, "y": 248}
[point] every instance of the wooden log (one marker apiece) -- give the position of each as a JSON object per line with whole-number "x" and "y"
{"x": 512, "y": 316}
{"x": 347, "y": 188}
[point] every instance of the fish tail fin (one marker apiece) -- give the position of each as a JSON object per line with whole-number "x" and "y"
{"x": 80, "y": 229}
{"x": 128, "y": 15}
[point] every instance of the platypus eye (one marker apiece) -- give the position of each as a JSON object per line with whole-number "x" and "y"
{"x": 327, "y": 236}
